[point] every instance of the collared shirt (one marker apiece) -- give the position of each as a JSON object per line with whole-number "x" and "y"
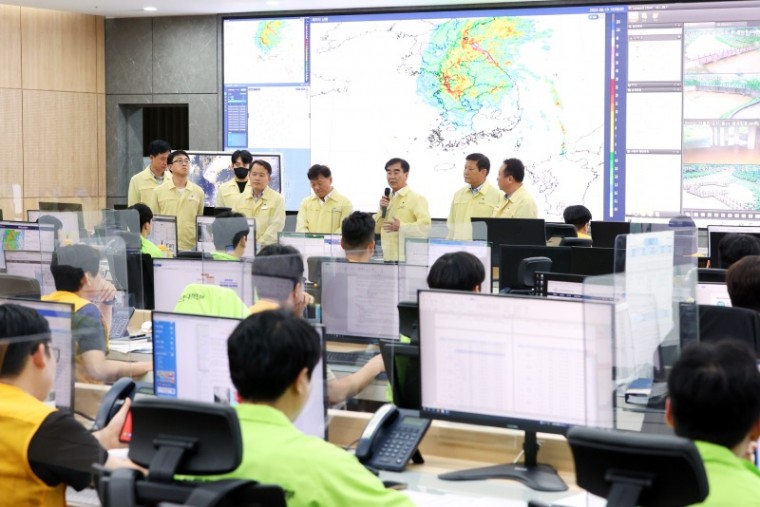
{"x": 318, "y": 216}
{"x": 732, "y": 480}
{"x": 520, "y": 204}
{"x": 223, "y": 256}
{"x": 185, "y": 205}
{"x": 475, "y": 190}
{"x": 268, "y": 210}
{"x": 413, "y": 214}
{"x": 313, "y": 473}
{"x": 141, "y": 187}
{"x": 228, "y": 192}
{"x": 466, "y": 205}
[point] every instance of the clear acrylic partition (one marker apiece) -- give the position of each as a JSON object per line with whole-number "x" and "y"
{"x": 394, "y": 242}
{"x": 654, "y": 293}
{"x": 220, "y": 288}
{"x": 222, "y": 236}
{"x": 26, "y": 252}
{"x": 314, "y": 246}
{"x": 412, "y": 273}
{"x": 359, "y": 309}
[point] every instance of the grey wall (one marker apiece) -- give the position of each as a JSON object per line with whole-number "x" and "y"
{"x": 168, "y": 60}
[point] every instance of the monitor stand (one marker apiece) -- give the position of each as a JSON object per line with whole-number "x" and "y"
{"x": 534, "y": 475}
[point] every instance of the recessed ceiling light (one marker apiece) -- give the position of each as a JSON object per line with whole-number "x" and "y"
{"x": 149, "y": 9}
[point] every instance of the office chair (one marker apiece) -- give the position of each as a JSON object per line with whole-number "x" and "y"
{"x": 582, "y": 242}
{"x": 208, "y": 442}
{"x": 630, "y": 469}
{"x": 526, "y": 271}
{"x": 314, "y": 264}
{"x": 723, "y": 322}
{"x": 559, "y": 230}
{"x": 711, "y": 275}
{"x": 19, "y": 287}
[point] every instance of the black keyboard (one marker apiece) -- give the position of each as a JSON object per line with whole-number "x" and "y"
{"x": 357, "y": 358}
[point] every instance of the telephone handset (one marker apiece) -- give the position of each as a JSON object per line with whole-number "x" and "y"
{"x": 113, "y": 400}
{"x": 391, "y": 438}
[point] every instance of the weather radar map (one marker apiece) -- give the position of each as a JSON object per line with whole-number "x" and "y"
{"x": 434, "y": 90}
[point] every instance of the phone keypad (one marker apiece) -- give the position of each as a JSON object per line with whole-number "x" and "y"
{"x": 398, "y": 447}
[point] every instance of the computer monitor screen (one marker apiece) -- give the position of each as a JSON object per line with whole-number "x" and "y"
{"x": 512, "y": 255}
{"x": 206, "y": 236}
{"x": 529, "y": 362}
{"x": 58, "y": 316}
{"x": 604, "y": 233}
{"x": 559, "y": 284}
{"x": 591, "y": 261}
{"x": 209, "y": 169}
{"x": 171, "y": 276}
{"x": 716, "y": 233}
{"x": 190, "y": 362}
{"x": 164, "y": 233}
{"x": 31, "y": 264}
{"x": 70, "y": 220}
{"x": 313, "y": 245}
{"x": 715, "y": 294}
{"x": 359, "y": 301}
{"x": 28, "y": 236}
{"x": 402, "y": 365}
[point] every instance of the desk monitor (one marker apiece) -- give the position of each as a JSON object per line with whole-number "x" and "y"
{"x": 171, "y": 276}
{"x": 190, "y": 362}
{"x": 715, "y": 233}
{"x": 604, "y": 233}
{"x": 58, "y": 316}
{"x": 313, "y": 245}
{"x": 165, "y": 232}
{"x": 26, "y": 236}
{"x": 511, "y": 255}
{"x": 402, "y": 364}
{"x": 513, "y": 231}
{"x": 591, "y": 261}
{"x": 559, "y": 284}
{"x": 31, "y": 264}
{"x": 715, "y": 294}
{"x": 409, "y": 320}
{"x": 205, "y": 242}
{"x": 291, "y": 219}
{"x": 72, "y": 223}
{"x": 525, "y": 363}
{"x": 359, "y": 301}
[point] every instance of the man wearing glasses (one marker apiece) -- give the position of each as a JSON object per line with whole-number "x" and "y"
{"x": 41, "y": 449}
{"x": 229, "y": 191}
{"x": 181, "y": 198}
{"x": 142, "y": 184}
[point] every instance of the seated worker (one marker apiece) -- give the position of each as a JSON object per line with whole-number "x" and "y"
{"x": 76, "y": 272}
{"x": 146, "y": 226}
{"x": 714, "y": 399}
{"x": 358, "y": 237}
{"x": 733, "y": 247}
{"x": 272, "y": 357}
{"x": 743, "y": 283}
{"x": 278, "y": 282}
{"x": 579, "y": 217}
{"x": 457, "y": 271}
{"x": 230, "y": 232}
{"x": 41, "y": 449}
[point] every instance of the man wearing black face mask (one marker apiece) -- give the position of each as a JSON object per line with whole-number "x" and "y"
{"x": 229, "y": 191}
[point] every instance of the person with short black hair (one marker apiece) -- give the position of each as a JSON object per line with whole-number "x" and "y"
{"x": 358, "y": 237}
{"x": 579, "y": 217}
{"x": 733, "y": 247}
{"x": 146, "y": 226}
{"x": 76, "y": 272}
{"x": 743, "y": 283}
{"x": 142, "y": 184}
{"x": 180, "y": 197}
{"x": 324, "y": 210}
{"x": 714, "y": 399}
{"x": 228, "y": 192}
{"x": 230, "y": 231}
{"x": 457, "y": 271}
{"x": 263, "y": 203}
{"x": 403, "y": 213}
{"x": 42, "y": 450}
{"x": 272, "y": 358}
{"x": 516, "y": 201}
{"x": 477, "y": 199}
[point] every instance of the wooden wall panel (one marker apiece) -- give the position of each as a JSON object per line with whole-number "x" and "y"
{"x": 101, "y": 113}
{"x": 11, "y": 153}
{"x": 10, "y": 46}
{"x": 100, "y": 56}
{"x": 59, "y": 51}
{"x": 65, "y": 125}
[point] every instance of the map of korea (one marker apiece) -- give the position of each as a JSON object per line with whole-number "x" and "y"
{"x": 268, "y": 35}
{"x": 470, "y": 65}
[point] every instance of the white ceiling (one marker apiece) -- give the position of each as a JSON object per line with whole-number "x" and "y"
{"x": 134, "y": 8}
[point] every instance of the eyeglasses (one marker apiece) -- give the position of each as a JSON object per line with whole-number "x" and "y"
{"x": 182, "y": 161}
{"x": 56, "y": 352}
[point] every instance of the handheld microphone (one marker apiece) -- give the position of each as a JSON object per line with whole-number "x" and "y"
{"x": 387, "y": 194}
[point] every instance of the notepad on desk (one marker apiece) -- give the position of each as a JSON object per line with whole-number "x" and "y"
{"x": 125, "y": 350}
